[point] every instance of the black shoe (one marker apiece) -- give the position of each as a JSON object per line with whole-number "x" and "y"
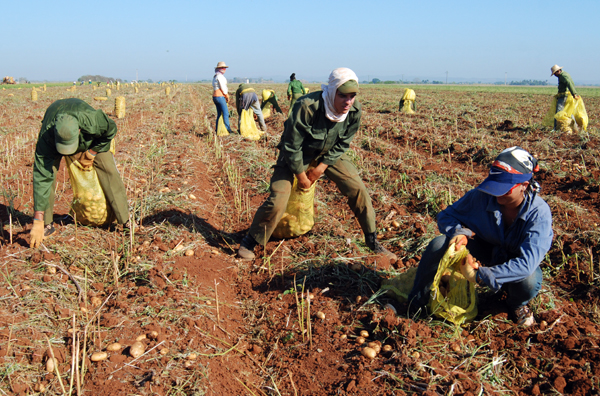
{"x": 373, "y": 244}
{"x": 246, "y": 250}
{"x": 49, "y": 230}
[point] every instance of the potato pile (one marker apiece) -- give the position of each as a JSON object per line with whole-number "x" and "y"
{"x": 90, "y": 208}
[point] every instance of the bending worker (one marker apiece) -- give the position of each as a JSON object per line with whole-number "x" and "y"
{"x": 270, "y": 99}
{"x": 246, "y": 98}
{"x": 565, "y": 82}
{"x": 294, "y": 92}
{"x": 73, "y": 127}
{"x": 505, "y": 226}
{"x": 318, "y": 132}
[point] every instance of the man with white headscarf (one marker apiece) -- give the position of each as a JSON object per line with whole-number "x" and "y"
{"x": 318, "y": 132}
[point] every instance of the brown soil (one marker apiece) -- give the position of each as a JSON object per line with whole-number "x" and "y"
{"x": 240, "y": 319}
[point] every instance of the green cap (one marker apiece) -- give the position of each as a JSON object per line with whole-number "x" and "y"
{"x": 67, "y": 134}
{"x": 350, "y": 86}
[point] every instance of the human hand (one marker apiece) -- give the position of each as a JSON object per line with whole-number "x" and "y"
{"x": 86, "y": 159}
{"x": 314, "y": 174}
{"x": 36, "y": 233}
{"x": 469, "y": 268}
{"x": 303, "y": 181}
{"x": 577, "y": 97}
{"x": 460, "y": 241}
{"x": 226, "y": 98}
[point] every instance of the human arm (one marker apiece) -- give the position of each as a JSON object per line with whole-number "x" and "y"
{"x": 297, "y": 128}
{"x": 460, "y": 218}
{"x": 103, "y": 129}
{"x": 535, "y": 240}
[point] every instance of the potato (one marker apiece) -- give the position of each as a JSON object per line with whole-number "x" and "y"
{"x": 320, "y": 315}
{"x": 96, "y": 301}
{"x": 192, "y": 356}
{"x": 387, "y": 348}
{"x": 416, "y": 355}
{"x": 141, "y": 337}
{"x": 153, "y": 335}
{"x": 114, "y": 347}
{"x": 375, "y": 346}
{"x": 51, "y": 270}
{"x": 51, "y": 363}
{"x": 164, "y": 351}
{"x": 369, "y": 353}
{"x": 98, "y": 356}
{"x": 395, "y": 224}
{"x": 189, "y": 252}
{"x": 364, "y": 333}
{"x": 137, "y": 349}
{"x": 360, "y": 340}
{"x": 39, "y": 387}
{"x": 192, "y": 196}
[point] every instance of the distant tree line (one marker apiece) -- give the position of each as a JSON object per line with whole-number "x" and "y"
{"x": 529, "y": 82}
{"x": 97, "y": 78}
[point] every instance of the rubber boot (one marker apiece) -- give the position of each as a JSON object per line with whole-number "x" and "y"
{"x": 246, "y": 250}
{"x": 373, "y": 244}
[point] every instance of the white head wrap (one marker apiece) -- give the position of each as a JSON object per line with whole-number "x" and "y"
{"x": 337, "y": 78}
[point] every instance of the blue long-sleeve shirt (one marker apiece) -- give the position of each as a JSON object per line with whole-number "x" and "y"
{"x": 518, "y": 250}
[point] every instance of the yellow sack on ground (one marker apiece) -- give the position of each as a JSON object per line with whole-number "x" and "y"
{"x": 400, "y": 286}
{"x": 408, "y": 99}
{"x": 248, "y": 128}
{"x": 453, "y": 297}
{"x": 573, "y": 112}
{"x": 89, "y": 206}
{"x": 221, "y": 130}
{"x": 299, "y": 216}
{"x": 549, "y": 118}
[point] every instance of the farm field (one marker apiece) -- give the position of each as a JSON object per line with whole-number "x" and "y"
{"x": 215, "y": 325}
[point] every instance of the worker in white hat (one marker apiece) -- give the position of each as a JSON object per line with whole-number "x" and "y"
{"x": 221, "y": 95}
{"x": 565, "y": 82}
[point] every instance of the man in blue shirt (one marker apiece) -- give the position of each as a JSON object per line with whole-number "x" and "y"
{"x": 505, "y": 226}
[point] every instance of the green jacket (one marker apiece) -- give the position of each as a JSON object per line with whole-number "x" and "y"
{"x": 308, "y": 134}
{"x": 566, "y": 82}
{"x": 295, "y": 87}
{"x": 96, "y": 133}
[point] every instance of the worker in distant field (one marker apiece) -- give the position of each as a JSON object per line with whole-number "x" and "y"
{"x": 221, "y": 95}
{"x": 318, "y": 132}
{"x": 505, "y": 226}
{"x": 246, "y": 98}
{"x": 71, "y": 127}
{"x": 270, "y": 99}
{"x": 565, "y": 82}
{"x": 294, "y": 92}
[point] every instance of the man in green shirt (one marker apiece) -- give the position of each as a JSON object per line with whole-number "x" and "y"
{"x": 294, "y": 92}
{"x": 565, "y": 82}
{"x": 318, "y": 132}
{"x": 73, "y": 127}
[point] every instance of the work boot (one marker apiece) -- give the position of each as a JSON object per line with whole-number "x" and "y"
{"x": 246, "y": 250}
{"x": 373, "y": 244}
{"x": 524, "y": 316}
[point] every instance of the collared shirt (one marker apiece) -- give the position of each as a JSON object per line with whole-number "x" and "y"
{"x": 220, "y": 82}
{"x": 308, "y": 134}
{"x": 566, "y": 82}
{"x": 295, "y": 87}
{"x": 518, "y": 250}
{"x": 97, "y": 131}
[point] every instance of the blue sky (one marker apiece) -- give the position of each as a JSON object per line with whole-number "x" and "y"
{"x": 471, "y": 40}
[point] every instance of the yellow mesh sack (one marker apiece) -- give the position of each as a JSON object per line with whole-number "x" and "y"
{"x": 409, "y": 98}
{"x": 248, "y": 128}
{"x": 452, "y": 296}
{"x": 400, "y": 286}
{"x": 573, "y": 112}
{"x": 89, "y": 206}
{"x": 266, "y": 111}
{"x": 299, "y": 216}
{"x": 221, "y": 130}
{"x": 409, "y": 94}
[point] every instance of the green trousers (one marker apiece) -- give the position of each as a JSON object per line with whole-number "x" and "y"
{"x": 295, "y": 97}
{"x": 111, "y": 184}
{"x": 343, "y": 173}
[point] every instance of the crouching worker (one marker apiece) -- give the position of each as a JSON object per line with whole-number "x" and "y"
{"x": 318, "y": 131}
{"x": 505, "y": 226}
{"x": 246, "y": 98}
{"x": 71, "y": 127}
